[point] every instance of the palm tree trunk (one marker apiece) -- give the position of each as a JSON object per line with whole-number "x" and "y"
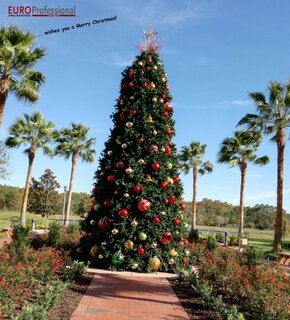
{"x": 74, "y": 161}
{"x": 193, "y": 206}
{"x": 4, "y": 86}
{"x": 243, "y": 168}
{"x": 31, "y": 155}
{"x": 280, "y": 140}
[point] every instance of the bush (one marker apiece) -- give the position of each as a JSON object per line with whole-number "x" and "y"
{"x": 211, "y": 242}
{"x": 77, "y": 268}
{"x": 72, "y": 228}
{"x": 232, "y": 240}
{"x": 253, "y": 256}
{"x": 220, "y": 237}
{"x": 193, "y": 236}
{"x": 53, "y": 234}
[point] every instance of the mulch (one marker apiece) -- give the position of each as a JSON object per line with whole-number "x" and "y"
{"x": 70, "y": 298}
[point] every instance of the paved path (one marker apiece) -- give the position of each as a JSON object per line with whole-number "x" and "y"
{"x": 129, "y": 296}
{"x": 5, "y": 240}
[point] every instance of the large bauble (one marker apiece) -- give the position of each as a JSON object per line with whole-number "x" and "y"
{"x": 154, "y": 263}
{"x": 172, "y": 200}
{"x": 143, "y": 205}
{"x": 129, "y": 244}
{"x": 155, "y": 166}
{"x": 117, "y": 259}
{"x": 123, "y": 213}
{"x": 94, "y": 250}
{"x": 166, "y": 237}
{"x": 104, "y": 223}
{"x": 142, "y": 236}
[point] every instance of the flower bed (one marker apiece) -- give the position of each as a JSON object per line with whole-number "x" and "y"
{"x": 260, "y": 289}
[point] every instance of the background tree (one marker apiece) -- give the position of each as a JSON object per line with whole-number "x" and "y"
{"x": 273, "y": 118}
{"x": 44, "y": 198}
{"x": 239, "y": 151}
{"x": 73, "y": 143}
{"x": 4, "y": 161}
{"x": 17, "y": 58}
{"x": 79, "y": 203}
{"x": 35, "y": 133}
{"x": 191, "y": 158}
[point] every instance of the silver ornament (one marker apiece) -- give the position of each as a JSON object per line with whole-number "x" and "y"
{"x": 141, "y": 161}
{"x": 126, "y": 195}
{"x": 110, "y": 152}
{"x": 129, "y": 124}
{"x": 115, "y": 231}
{"x": 124, "y": 145}
{"x": 134, "y": 266}
{"x": 129, "y": 170}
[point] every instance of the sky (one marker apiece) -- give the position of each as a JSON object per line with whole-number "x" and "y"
{"x": 214, "y": 52}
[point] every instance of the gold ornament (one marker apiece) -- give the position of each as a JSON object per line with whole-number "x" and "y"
{"x": 134, "y": 266}
{"x": 101, "y": 256}
{"x": 132, "y": 97}
{"x": 124, "y": 145}
{"x": 173, "y": 253}
{"x": 154, "y": 99}
{"x": 141, "y": 161}
{"x": 126, "y": 195}
{"x": 140, "y": 63}
{"x": 171, "y": 261}
{"x": 154, "y": 263}
{"x": 129, "y": 244}
{"x": 153, "y": 245}
{"x": 151, "y": 86}
{"x": 187, "y": 252}
{"x": 155, "y": 67}
{"x": 110, "y": 152}
{"x": 169, "y": 180}
{"x": 134, "y": 223}
{"x": 148, "y": 178}
{"x": 155, "y": 132}
{"x": 162, "y": 149}
{"x": 161, "y": 100}
{"x": 149, "y": 120}
{"x": 129, "y": 124}
{"x": 115, "y": 231}
{"x": 163, "y": 79}
{"x": 94, "y": 250}
{"x": 162, "y": 213}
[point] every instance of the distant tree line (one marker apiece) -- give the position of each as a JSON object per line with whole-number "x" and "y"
{"x": 216, "y": 213}
{"x": 11, "y": 199}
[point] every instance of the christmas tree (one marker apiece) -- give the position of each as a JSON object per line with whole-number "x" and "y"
{"x": 135, "y": 221}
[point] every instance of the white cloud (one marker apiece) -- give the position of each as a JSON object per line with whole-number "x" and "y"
{"x": 244, "y": 102}
{"x": 269, "y": 195}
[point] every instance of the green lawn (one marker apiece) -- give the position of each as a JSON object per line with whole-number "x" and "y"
{"x": 40, "y": 221}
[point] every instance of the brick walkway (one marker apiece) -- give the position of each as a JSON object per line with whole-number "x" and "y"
{"x": 129, "y": 296}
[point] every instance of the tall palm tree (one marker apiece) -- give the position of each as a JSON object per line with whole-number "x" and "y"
{"x": 34, "y": 132}
{"x": 239, "y": 150}
{"x": 191, "y": 158}
{"x": 17, "y": 58}
{"x": 73, "y": 143}
{"x": 273, "y": 118}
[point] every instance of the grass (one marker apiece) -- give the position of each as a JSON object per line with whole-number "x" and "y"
{"x": 257, "y": 238}
{"x": 40, "y": 221}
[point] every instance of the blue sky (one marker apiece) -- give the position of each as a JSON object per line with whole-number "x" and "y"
{"x": 214, "y": 52}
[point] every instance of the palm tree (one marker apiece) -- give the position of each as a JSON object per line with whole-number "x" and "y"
{"x": 73, "y": 143}
{"x": 273, "y": 118}
{"x": 17, "y": 58}
{"x": 239, "y": 150}
{"x": 36, "y": 133}
{"x": 191, "y": 158}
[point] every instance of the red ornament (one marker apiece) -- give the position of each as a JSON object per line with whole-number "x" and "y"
{"x": 141, "y": 140}
{"x": 149, "y": 59}
{"x": 144, "y": 205}
{"x": 165, "y": 114}
{"x": 131, "y": 84}
{"x": 168, "y": 107}
{"x": 163, "y": 185}
{"x": 137, "y": 188}
{"x": 106, "y": 203}
{"x": 167, "y": 87}
{"x": 104, "y": 223}
{"x": 166, "y": 237}
{"x": 119, "y": 101}
{"x": 184, "y": 262}
{"x": 181, "y": 244}
{"x": 156, "y": 219}
{"x": 133, "y": 112}
{"x": 155, "y": 166}
{"x": 144, "y": 85}
{"x": 175, "y": 180}
{"x": 182, "y": 206}
{"x": 147, "y": 68}
{"x": 110, "y": 178}
{"x": 167, "y": 149}
{"x": 163, "y": 96}
{"x": 168, "y": 131}
{"x": 140, "y": 251}
{"x": 122, "y": 116}
{"x": 130, "y": 73}
{"x": 176, "y": 222}
{"x": 123, "y": 213}
{"x": 172, "y": 200}
{"x": 119, "y": 165}
{"x": 166, "y": 201}
{"x": 94, "y": 190}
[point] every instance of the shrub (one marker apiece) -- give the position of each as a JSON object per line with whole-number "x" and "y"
{"x": 252, "y": 255}
{"x": 53, "y": 234}
{"x": 77, "y": 268}
{"x": 72, "y": 228}
{"x": 220, "y": 237}
{"x": 193, "y": 236}
{"x": 211, "y": 242}
{"x": 232, "y": 240}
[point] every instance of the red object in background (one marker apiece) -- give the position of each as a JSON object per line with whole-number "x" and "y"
{"x": 123, "y": 213}
{"x": 156, "y": 219}
{"x": 182, "y": 206}
{"x": 155, "y": 166}
{"x": 140, "y": 251}
{"x": 110, "y": 178}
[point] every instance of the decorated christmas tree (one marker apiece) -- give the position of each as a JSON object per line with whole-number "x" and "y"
{"x": 135, "y": 221}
